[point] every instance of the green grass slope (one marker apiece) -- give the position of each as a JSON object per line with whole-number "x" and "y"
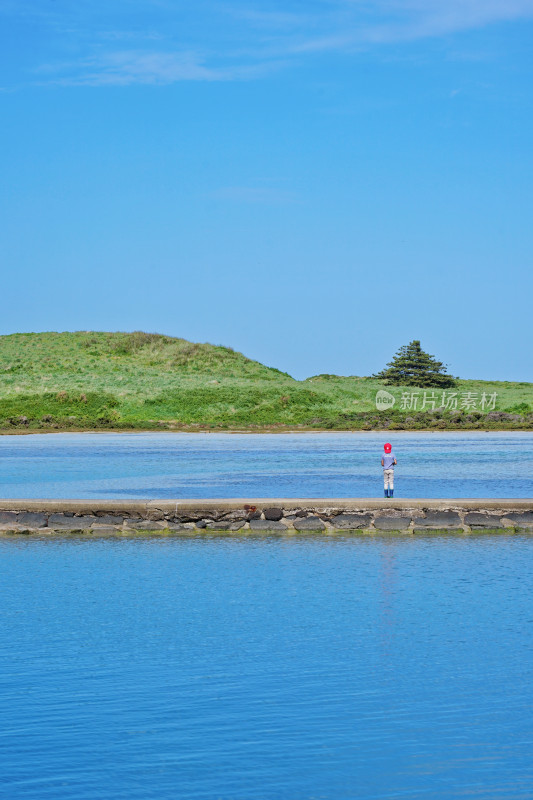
{"x": 90, "y": 381}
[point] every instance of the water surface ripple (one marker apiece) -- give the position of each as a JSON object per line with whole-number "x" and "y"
{"x": 269, "y": 667}
{"x": 152, "y": 465}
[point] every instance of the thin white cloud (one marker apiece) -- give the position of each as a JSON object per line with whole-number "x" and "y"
{"x": 227, "y": 40}
{"x": 437, "y": 17}
{"x": 128, "y": 67}
{"x": 397, "y": 21}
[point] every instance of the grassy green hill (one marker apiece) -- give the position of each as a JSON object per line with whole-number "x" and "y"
{"x": 87, "y": 381}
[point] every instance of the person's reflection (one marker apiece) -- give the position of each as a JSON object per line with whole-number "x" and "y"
{"x": 387, "y": 592}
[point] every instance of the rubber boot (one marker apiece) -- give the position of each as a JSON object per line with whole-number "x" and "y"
{"x": 386, "y": 492}
{"x": 391, "y": 492}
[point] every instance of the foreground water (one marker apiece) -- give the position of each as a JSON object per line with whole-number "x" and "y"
{"x": 306, "y": 668}
{"x": 152, "y": 465}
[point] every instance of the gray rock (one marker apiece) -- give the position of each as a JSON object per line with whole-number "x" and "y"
{"x": 237, "y": 526}
{"x": 104, "y": 530}
{"x": 234, "y": 516}
{"x": 181, "y": 526}
{"x": 8, "y": 517}
{"x": 524, "y": 519}
{"x": 273, "y": 513}
{"x": 478, "y": 520}
{"x": 254, "y": 515}
{"x": 351, "y": 521}
{"x": 64, "y": 531}
{"x": 392, "y": 523}
{"x": 218, "y": 526}
{"x": 267, "y": 525}
{"x": 146, "y": 525}
{"x": 70, "y": 523}
{"x": 32, "y": 519}
{"x": 440, "y": 520}
{"x": 109, "y": 519}
{"x": 309, "y": 524}
{"x": 203, "y": 523}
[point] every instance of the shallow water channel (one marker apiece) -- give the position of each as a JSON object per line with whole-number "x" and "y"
{"x": 174, "y": 465}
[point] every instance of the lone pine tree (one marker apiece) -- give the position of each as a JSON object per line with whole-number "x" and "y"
{"x": 411, "y": 366}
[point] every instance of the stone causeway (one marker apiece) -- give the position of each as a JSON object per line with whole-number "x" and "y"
{"x": 296, "y": 516}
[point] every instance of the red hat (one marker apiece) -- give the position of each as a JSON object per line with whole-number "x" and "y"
{"x": 387, "y": 447}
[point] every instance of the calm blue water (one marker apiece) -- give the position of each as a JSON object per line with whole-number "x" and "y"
{"x": 158, "y": 465}
{"x": 272, "y": 667}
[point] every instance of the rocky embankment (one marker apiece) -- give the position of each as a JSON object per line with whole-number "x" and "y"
{"x": 280, "y": 516}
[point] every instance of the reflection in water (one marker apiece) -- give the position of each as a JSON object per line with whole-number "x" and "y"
{"x": 387, "y": 591}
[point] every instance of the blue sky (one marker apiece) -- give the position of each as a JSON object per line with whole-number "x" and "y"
{"x": 312, "y": 183}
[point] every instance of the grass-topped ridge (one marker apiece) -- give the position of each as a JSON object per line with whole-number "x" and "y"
{"x": 86, "y": 350}
{"x": 93, "y": 380}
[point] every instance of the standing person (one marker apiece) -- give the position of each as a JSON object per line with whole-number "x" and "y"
{"x": 388, "y": 462}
